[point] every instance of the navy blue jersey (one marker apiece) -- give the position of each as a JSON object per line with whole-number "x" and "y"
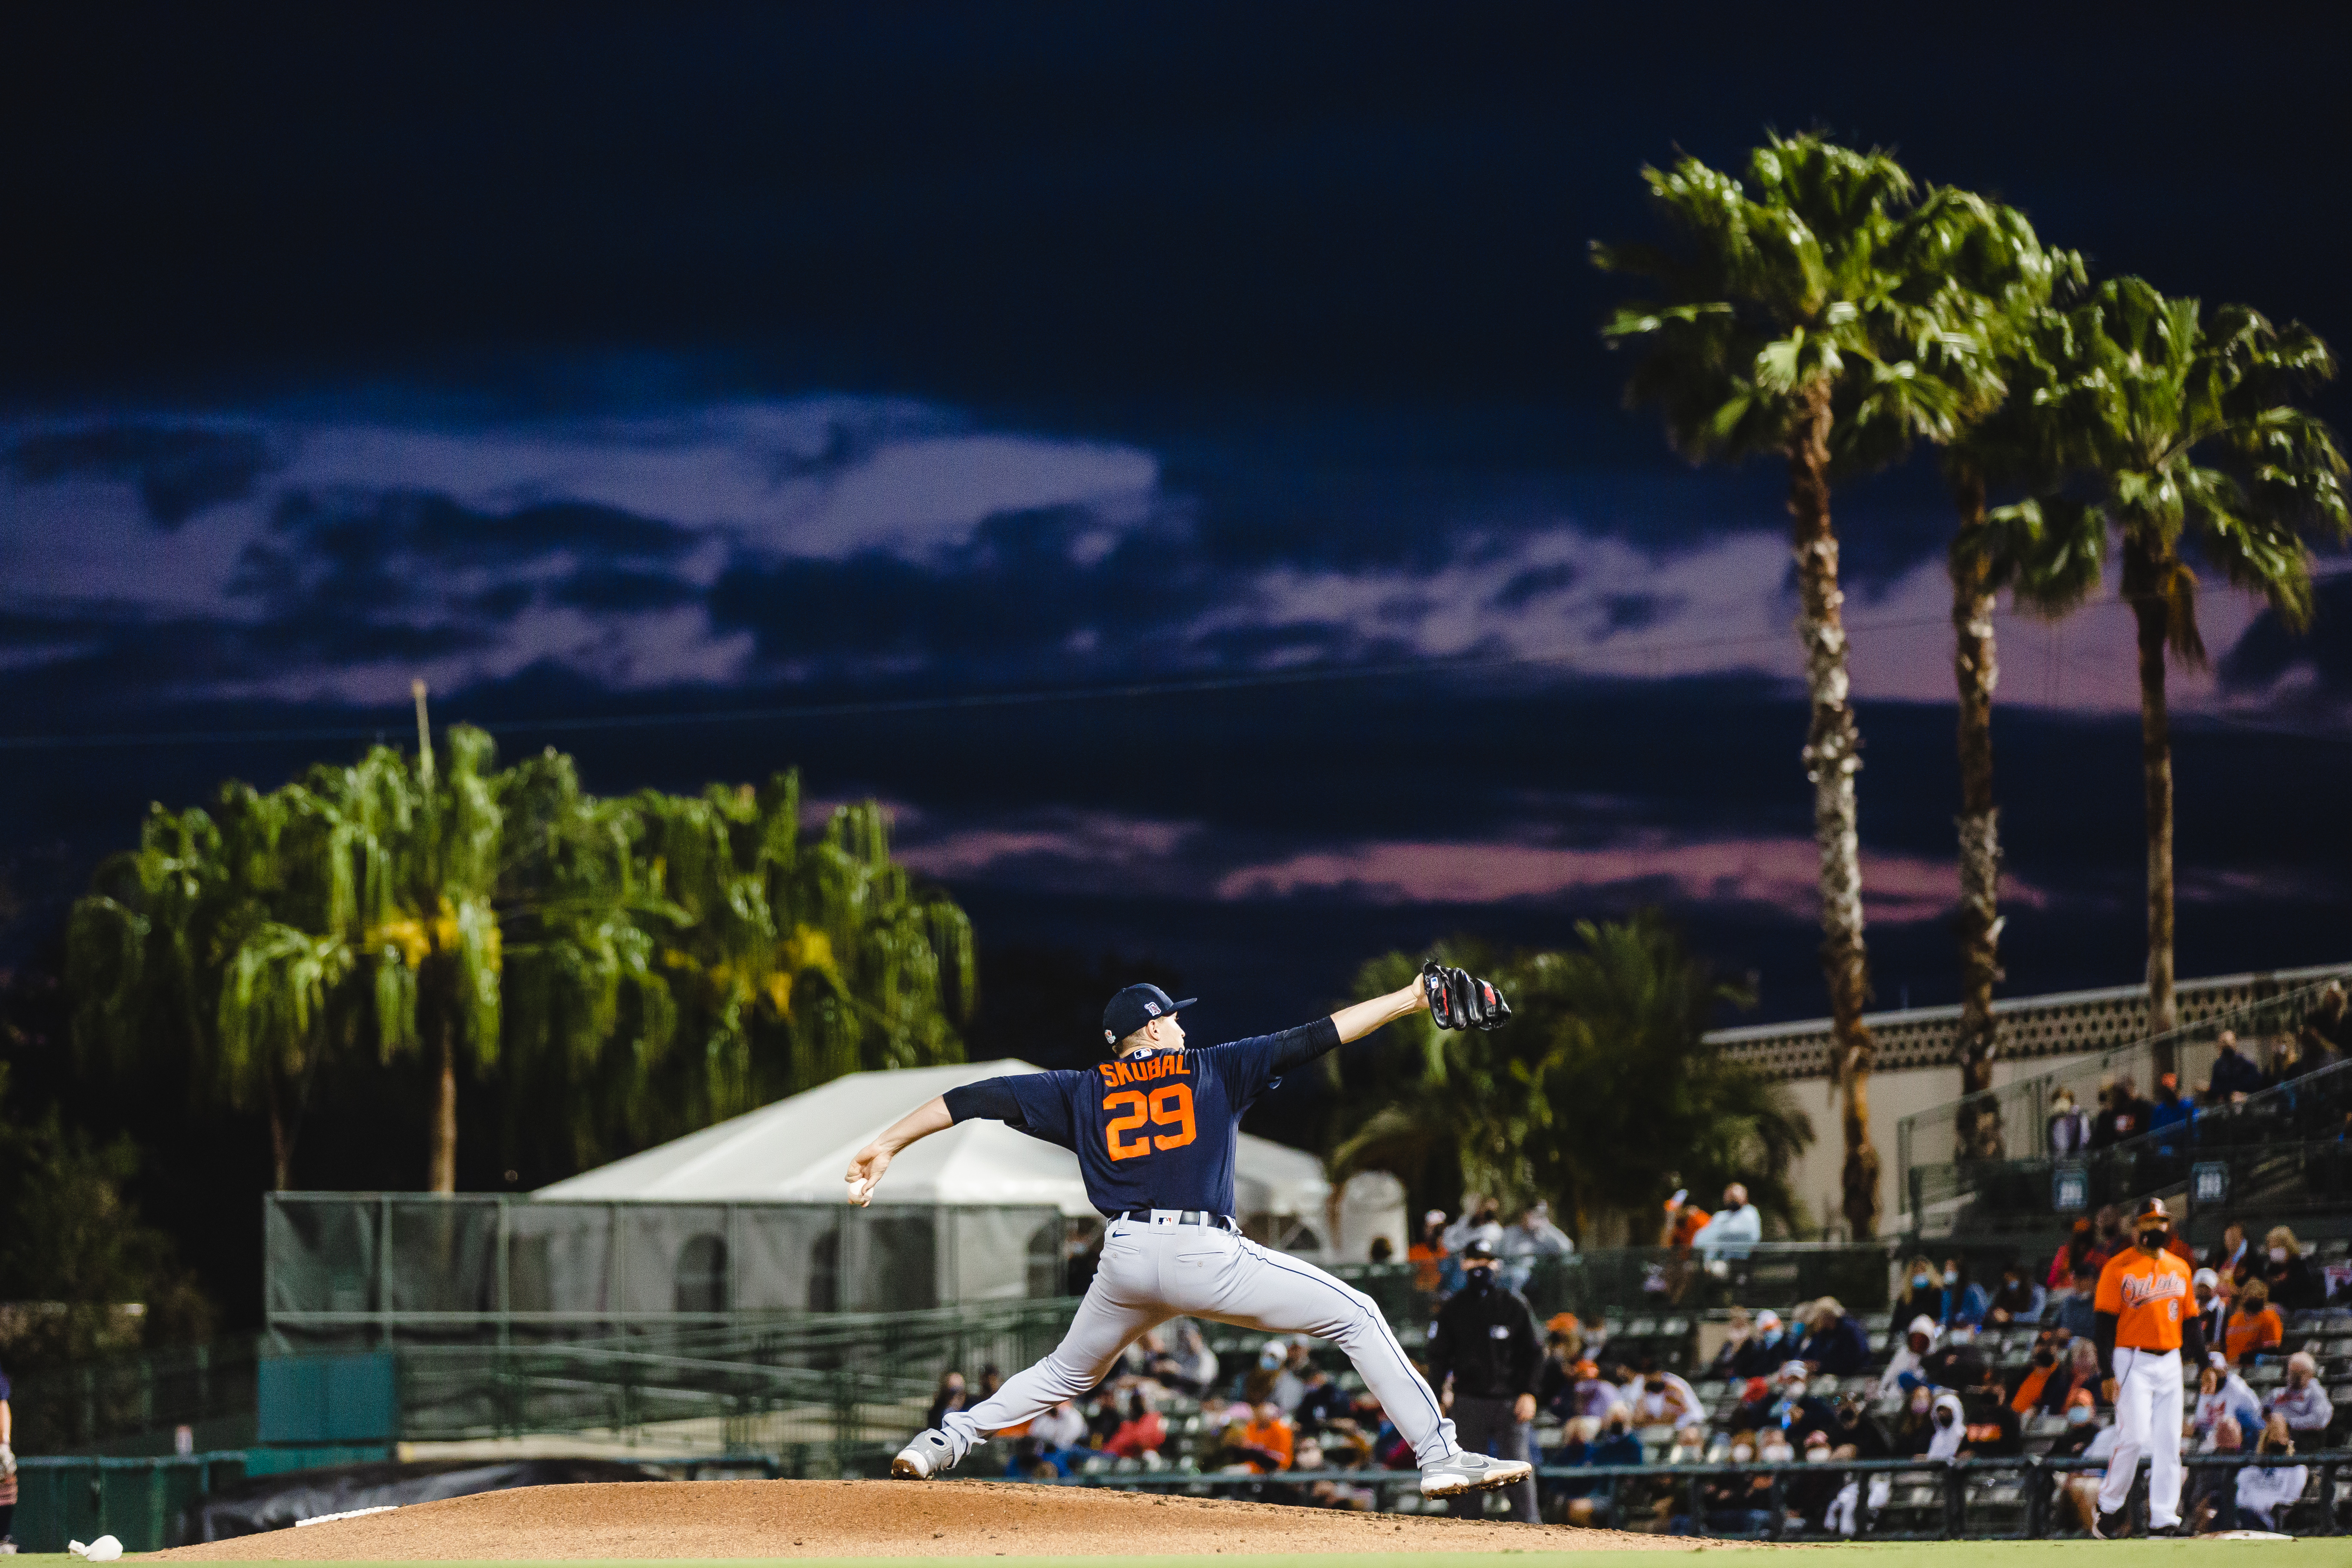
{"x": 1150, "y": 1132}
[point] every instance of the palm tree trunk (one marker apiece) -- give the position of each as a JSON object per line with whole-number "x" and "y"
{"x": 441, "y": 1173}
{"x": 1975, "y": 671}
{"x": 1833, "y": 755}
{"x": 281, "y": 1145}
{"x": 2144, "y": 585}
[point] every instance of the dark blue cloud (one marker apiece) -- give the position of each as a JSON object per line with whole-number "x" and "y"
{"x": 2269, "y": 651}
{"x": 179, "y": 470}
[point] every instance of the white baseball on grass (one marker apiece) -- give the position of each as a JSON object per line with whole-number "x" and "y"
{"x": 105, "y": 1549}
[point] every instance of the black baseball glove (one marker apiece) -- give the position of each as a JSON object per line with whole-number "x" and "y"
{"x": 1458, "y": 1000}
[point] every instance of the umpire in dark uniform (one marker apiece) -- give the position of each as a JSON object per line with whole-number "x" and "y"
{"x": 1487, "y": 1340}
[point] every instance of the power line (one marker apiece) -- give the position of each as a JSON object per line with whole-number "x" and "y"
{"x": 1124, "y": 691}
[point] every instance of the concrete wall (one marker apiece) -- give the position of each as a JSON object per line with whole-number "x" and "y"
{"x": 1893, "y": 1096}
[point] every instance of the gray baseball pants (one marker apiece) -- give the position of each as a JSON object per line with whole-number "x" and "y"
{"x": 1155, "y": 1270}
{"x": 1488, "y": 1426}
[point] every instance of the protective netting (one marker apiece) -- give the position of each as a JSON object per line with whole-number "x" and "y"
{"x": 362, "y": 1271}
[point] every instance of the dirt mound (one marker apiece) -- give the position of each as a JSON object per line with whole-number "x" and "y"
{"x": 875, "y": 1519}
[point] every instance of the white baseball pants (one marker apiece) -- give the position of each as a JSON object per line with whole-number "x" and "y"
{"x": 2147, "y": 1421}
{"x": 1152, "y": 1271}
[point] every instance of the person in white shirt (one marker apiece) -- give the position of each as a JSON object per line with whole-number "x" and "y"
{"x": 1735, "y": 1224}
{"x": 1476, "y": 1222}
{"x": 1060, "y": 1428}
{"x": 1661, "y": 1399}
{"x": 2220, "y": 1393}
{"x": 1917, "y": 1341}
{"x": 2302, "y": 1402}
{"x": 1526, "y": 1238}
{"x": 2263, "y": 1491}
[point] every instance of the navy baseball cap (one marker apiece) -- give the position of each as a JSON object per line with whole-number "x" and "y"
{"x": 1134, "y": 1007}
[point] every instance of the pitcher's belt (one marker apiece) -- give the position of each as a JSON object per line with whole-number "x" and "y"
{"x": 1182, "y": 1216}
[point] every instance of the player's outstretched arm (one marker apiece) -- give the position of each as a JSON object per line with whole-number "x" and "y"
{"x": 1360, "y": 1018}
{"x": 865, "y": 1171}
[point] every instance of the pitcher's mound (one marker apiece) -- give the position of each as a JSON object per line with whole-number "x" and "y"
{"x": 875, "y": 1519}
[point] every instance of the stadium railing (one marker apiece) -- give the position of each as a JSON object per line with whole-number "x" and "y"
{"x": 1928, "y": 1139}
{"x": 2283, "y": 1151}
{"x": 1945, "y": 1500}
{"x": 133, "y": 1401}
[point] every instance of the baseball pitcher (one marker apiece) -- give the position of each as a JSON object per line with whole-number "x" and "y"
{"x": 1154, "y": 1130}
{"x": 2145, "y": 1319}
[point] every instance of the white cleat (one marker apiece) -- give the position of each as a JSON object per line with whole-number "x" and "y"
{"x": 924, "y": 1458}
{"x": 1460, "y": 1471}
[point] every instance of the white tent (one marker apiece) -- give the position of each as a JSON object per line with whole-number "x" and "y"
{"x": 795, "y": 1151}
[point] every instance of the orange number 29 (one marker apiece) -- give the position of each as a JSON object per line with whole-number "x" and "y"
{"x": 1167, "y": 1107}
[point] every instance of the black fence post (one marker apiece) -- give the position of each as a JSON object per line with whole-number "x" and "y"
{"x": 2327, "y": 1500}
{"x": 1956, "y": 1493}
{"x": 1779, "y": 1500}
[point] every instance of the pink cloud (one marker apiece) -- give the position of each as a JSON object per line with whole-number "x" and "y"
{"x": 1777, "y": 871}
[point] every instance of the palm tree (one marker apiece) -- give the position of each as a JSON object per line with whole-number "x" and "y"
{"x": 1600, "y": 1093}
{"x": 795, "y": 963}
{"x": 1973, "y": 260}
{"x": 2178, "y": 426}
{"x": 1777, "y": 323}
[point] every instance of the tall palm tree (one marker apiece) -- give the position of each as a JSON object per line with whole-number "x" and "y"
{"x": 2181, "y": 430}
{"x": 1972, "y": 260}
{"x": 1779, "y": 318}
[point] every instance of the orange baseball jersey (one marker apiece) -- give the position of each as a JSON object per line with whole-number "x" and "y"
{"x": 2147, "y": 1292}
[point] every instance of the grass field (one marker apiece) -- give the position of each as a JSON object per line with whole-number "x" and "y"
{"x": 2307, "y": 1553}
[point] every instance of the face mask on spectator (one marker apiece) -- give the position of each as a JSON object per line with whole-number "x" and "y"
{"x": 1951, "y": 1276}
{"x": 1779, "y": 1453}
{"x": 1815, "y": 1453}
{"x": 1918, "y": 1281}
{"x": 1742, "y": 1452}
{"x": 1920, "y": 1400}
{"x": 2278, "y": 1255}
{"x": 2080, "y": 1416}
{"x": 1943, "y": 1418}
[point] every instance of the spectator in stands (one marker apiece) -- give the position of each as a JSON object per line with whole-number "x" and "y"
{"x": 2232, "y": 1248}
{"x": 2076, "y": 1314}
{"x": 1556, "y": 1382}
{"x": 2072, "y": 1255}
{"x": 1915, "y": 1427}
{"x": 1909, "y": 1353}
{"x": 2079, "y": 1374}
{"x": 1616, "y": 1446}
{"x": 1740, "y": 1329}
{"x": 2111, "y": 1237}
{"x": 1533, "y": 1235}
{"x": 2069, "y": 1129}
{"x": 2302, "y": 1402}
{"x": 2222, "y": 1393}
{"x": 1257, "y": 1383}
{"x": 2253, "y": 1325}
{"x": 1684, "y": 1220}
{"x": 1297, "y": 1365}
{"x": 1949, "y": 1427}
{"x": 1480, "y": 1219}
{"x": 2123, "y": 1115}
{"x": 1766, "y": 1349}
{"x": 1791, "y": 1412}
{"x": 1428, "y": 1254}
{"x": 2019, "y": 1299}
{"x": 1662, "y": 1399}
{"x": 2040, "y": 1365}
{"x": 2326, "y": 1033}
{"x": 1838, "y": 1344}
{"x": 2170, "y": 1108}
{"x": 1733, "y": 1504}
{"x": 950, "y": 1395}
{"x": 1993, "y": 1429}
{"x": 2286, "y": 1060}
{"x": 2293, "y": 1287}
{"x": 2214, "y": 1504}
{"x": 2206, "y": 1285}
{"x": 1922, "y": 1296}
{"x": 1144, "y": 1432}
{"x": 2234, "y": 1077}
{"x": 2083, "y": 1438}
{"x": 1957, "y": 1362}
{"x": 1261, "y": 1445}
{"x": 1382, "y": 1250}
{"x": 1964, "y": 1301}
{"x": 1732, "y": 1229}
{"x": 1323, "y": 1402}
{"x": 1195, "y": 1370}
{"x": 2266, "y": 1491}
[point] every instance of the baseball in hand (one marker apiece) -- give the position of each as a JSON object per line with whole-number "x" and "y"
{"x": 858, "y": 1188}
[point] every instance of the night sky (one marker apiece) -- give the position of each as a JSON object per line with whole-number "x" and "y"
{"x": 721, "y": 365}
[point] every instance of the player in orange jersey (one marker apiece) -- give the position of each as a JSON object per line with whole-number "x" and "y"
{"x": 2145, "y": 1318}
